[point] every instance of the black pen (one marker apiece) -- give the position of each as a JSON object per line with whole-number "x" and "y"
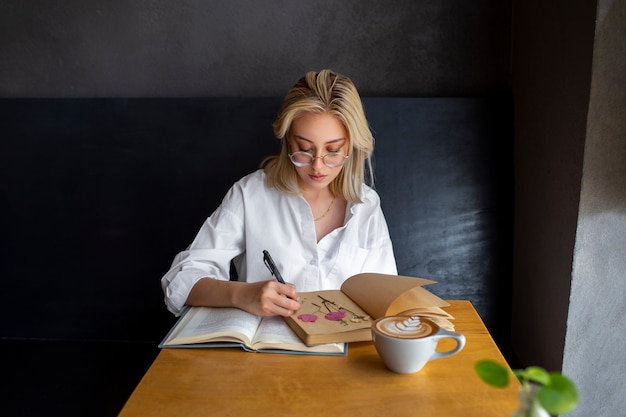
{"x": 269, "y": 262}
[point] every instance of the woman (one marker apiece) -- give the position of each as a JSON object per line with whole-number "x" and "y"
{"x": 308, "y": 207}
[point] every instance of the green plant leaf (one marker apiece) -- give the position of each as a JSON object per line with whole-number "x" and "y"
{"x": 559, "y": 395}
{"x": 534, "y": 374}
{"x": 492, "y": 373}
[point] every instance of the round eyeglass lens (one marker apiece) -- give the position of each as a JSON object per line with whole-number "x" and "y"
{"x": 334, "y": 159}
{"x": 301, "y": 159}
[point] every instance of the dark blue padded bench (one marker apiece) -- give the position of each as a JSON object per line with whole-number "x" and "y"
{"x": 98, "y": 195}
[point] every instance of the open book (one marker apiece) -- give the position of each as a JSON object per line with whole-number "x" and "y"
{"x": 228, "y": 327}
{"x": 346, "y": 315}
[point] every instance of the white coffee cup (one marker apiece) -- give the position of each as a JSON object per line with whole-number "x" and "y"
{"x": 406, "y": 344}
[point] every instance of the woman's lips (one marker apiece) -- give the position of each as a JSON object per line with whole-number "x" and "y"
{"x": 317, "y": 177}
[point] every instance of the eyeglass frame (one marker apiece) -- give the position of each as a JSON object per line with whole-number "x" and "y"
{"x": 314, "y": 158}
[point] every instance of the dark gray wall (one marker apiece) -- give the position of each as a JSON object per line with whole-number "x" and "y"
{"x": 185, "y": 48}
{"x": 248, "y": 48}
{"x": 79, "y": 49}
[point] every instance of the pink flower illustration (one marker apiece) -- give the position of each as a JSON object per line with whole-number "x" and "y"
{"x": 335, "y": 315}
{"x": 308, "y": 318}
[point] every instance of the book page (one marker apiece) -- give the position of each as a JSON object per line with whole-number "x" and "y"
{"x": 375, "y": 293}
{"x": 274, "y": 333}
{"x": 415, "y": 297}
{"x": 205, "y": 324}
{"x": 427, "y": 311}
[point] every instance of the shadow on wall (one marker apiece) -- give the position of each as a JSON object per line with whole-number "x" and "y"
{"x": 605, "y": 151}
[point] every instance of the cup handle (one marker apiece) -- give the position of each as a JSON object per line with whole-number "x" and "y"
{"x": 445, "y": 334}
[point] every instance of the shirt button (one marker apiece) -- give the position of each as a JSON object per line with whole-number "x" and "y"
{"x": 313, "y": 262}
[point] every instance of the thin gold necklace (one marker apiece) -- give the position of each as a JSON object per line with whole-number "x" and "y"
{"x": 327, "y": 211}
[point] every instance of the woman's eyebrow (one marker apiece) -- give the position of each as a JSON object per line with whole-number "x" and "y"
{"x": 326, "y": 143}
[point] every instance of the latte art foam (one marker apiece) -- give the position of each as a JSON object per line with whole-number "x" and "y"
{"x": 405, "y": 327}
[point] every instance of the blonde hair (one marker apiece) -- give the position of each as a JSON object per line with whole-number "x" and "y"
{"x": 324, "y": 92}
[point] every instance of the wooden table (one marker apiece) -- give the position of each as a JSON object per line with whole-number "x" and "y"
{"x": 232, "y": 382}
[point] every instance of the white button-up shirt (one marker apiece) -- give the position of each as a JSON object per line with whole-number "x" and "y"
{"x": 253, "y": 217}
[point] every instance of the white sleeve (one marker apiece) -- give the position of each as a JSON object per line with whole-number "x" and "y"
{"x": 220, "y": 239}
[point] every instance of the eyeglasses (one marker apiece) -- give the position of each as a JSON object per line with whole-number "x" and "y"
{"x": 331, "y": 159}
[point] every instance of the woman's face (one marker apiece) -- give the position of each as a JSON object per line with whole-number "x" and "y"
{"x": 318, "y": 135}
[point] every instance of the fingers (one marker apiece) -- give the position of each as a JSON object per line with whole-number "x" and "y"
{"x": 286, "y": 302}
{"x": 288, "y": 290}
{"x": 270, "y": 298}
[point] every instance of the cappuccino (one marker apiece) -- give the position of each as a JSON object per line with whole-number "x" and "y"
{"x": 405, "y": 327}
{"x": 406, "y": 344}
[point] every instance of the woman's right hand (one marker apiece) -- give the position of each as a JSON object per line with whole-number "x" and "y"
{"x": 267, "y": 298}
